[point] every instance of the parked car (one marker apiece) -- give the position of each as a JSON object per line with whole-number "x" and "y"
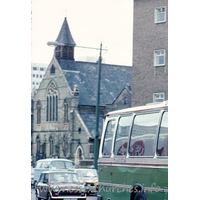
{"x": 59, "y": 185}
{"x": 51, "y": 164}
{"x": 32, "y": 177}
{"x": 88, "y": 177}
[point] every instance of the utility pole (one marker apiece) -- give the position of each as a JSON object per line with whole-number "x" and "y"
{"x": 96, "y": 139}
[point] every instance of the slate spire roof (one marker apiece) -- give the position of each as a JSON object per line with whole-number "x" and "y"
{"x": 65, "y": 36}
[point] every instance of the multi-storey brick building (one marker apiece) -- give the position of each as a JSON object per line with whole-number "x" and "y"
{"x": 65, "y": 102}
{"x": 150, "y": 50}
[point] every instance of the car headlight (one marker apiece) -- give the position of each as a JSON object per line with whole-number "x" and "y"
{"x": 56, "y": 189}
{"x": 82, "y": 189}
{"x": 83, "y": 183}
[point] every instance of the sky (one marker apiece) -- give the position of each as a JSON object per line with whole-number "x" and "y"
{"x": 90, "y": 21}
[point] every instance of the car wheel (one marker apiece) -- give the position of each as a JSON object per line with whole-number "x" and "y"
{"x": 140, "y": 196}
{"x": 48, "y": 196}
{"x": 37, "y": 193}
{"x": 38, "y": 198}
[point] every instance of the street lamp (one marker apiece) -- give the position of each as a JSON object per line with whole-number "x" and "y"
{"x": 96, "y": 139}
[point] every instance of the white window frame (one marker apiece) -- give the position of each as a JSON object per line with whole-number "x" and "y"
{"x": 155, "y": 98}
{"x": 161, "y": 10}
{"x": 162, "y": 53}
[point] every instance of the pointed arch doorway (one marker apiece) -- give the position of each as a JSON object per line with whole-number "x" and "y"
{"x": 79, "y": 155}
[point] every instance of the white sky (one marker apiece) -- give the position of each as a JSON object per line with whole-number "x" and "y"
{"x": 91, "y": 22}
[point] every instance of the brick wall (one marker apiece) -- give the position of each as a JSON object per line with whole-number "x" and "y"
{"x": 147, "y": 37}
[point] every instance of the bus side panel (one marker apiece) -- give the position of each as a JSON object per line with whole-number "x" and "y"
{"x": 154, "y": 181}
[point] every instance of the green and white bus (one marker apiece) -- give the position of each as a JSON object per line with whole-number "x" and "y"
{"x": 133, "y": 154}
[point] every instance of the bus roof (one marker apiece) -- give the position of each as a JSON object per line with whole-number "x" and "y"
{"x": 140, "y": 108}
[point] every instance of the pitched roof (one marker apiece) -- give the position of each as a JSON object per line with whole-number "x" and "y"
{"x": 90, "y": 121}
{"x": 65, "y": 36}
{"x": 85, "y": 74}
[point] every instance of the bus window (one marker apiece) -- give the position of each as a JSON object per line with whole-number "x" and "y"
{"x": 143, "y": 136}
{"x": 107, "y": 144}
{"x": 163, "y": 137}
{"x": 122, "y": 134}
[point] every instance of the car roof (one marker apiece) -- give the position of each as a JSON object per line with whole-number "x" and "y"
{"x": 54, "y": 159}
{"x": 52, "y": 172}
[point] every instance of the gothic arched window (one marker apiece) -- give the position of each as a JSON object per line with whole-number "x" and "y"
{"x": 52, "y": 70}
{"x": 52, "y": 103}
{"x": 51, "y": 145}
{"x": 38, "y": 107}
{"x": 38, "y": 143}
{"x": 80, "y": 154}
{"x": 65, "y": 111}
{"x": 125, "y": 100}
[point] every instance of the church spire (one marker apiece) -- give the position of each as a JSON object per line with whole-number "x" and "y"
{"x": 64, "y": 44}
{"x": 65, "y": 36}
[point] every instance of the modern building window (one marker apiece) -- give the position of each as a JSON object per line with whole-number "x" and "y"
{"x": 160, "y": 14}
{"x": 33, "y": 75}
{"x": 52, "y": 103}
{"x": 33, "y": 83}
{"x": 40, "y": 76}
{"x": 34, "y": 68}
{"x": 159, "y": 97}
{"x": 159, "y": 57}
{"x": 36, "y": 75}
{"x": 41, "y": 69}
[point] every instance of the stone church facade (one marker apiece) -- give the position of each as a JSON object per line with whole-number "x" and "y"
{"x": 63, "y": 108}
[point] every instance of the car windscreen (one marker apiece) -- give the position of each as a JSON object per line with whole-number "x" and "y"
{"x": 57, "y": 165}
{"x": 63, "y": 178}
{"x": 69, "y": 164}
{"x": 87, "y": 173}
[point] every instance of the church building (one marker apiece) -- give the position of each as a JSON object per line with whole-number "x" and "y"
{"x": 63, "y": 107}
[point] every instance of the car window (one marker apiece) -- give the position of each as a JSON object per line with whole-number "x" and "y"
{"x": 57, "y": 165}
{"x": 45, "y": 164}
{"x": 41, "y": 178}
{"x": 42, "y": 164}
{"x": 63, "y": 177}
{"x": 87, "y": 173}
{"x": 46, "y": 177}
{"x": 38, "y": 165}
